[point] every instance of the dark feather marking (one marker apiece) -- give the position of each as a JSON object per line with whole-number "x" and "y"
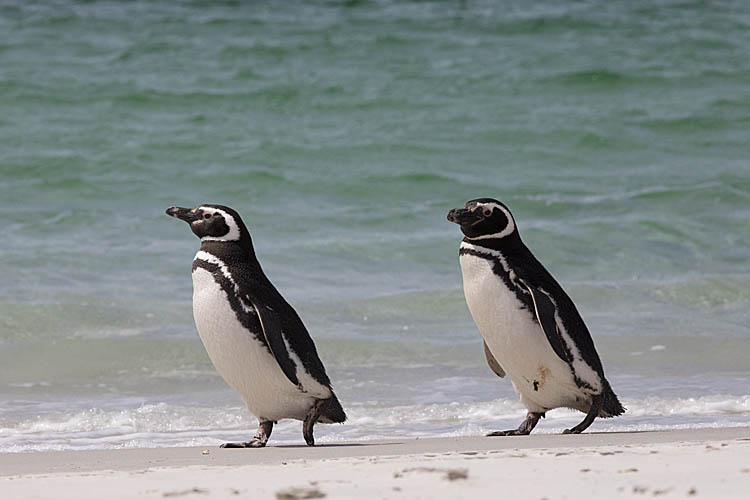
{"x": 521, "y": 293}
{"x": 274, "y": 335}
{"x": 247, "y": 319}
{"x": 545, "y": 314}
{"x": 582, "y": 384}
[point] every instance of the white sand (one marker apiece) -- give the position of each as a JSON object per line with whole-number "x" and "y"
{"x": 704, "y": 463}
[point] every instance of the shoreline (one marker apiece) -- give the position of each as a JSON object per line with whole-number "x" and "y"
{"x": 675, "y": 463}
{"x": 46, "y": 462}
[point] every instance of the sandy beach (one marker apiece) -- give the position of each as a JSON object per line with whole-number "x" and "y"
{"x": 695, "y": 463}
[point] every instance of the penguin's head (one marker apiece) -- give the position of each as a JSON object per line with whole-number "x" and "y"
{"x": 484, "y": 218}
{"x": 212, "y": 222}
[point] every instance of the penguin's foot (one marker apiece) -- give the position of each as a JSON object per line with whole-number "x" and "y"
{"x": 596, "y": 407}
{"x": 524, "y": 429}
{"x": 259, "y": 440}
{"x": 512, "y": 432}
{"x": 255, "y": 443}
{"x": 312, "y": 417}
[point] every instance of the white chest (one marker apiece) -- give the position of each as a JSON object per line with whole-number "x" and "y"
{"x": 493, "y": 306}
{"x": 515, "y": 339}
{"x": 244, "y": 362}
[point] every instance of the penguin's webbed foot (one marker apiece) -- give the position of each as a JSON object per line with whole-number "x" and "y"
{"x": 255, "y": 443}
{"x": 312, "y": 417}
{"x": 265, "y": 427}
{"x": 512, "y": 432}
{"x": 596, "y": 406}
{"x": 524, "y": 429}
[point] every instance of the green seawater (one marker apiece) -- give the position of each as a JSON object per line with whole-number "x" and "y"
{"x": 617, "y": 132}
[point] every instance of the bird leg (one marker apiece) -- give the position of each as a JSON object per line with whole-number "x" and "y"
{"x": 259, "y": 440}
{"x": 524, "y": 429}
{"x": 596, "y": 406}
{"x": 312, "y": 417}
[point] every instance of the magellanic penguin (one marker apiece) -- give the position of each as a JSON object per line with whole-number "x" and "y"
{"x": 254, "y": 338}
{"x": 532, "y": 331}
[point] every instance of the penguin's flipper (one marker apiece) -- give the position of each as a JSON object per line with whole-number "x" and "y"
{"x": 545, "y": 315}
{"x": 494, "y": 365}
{"x": 273, "y": 333}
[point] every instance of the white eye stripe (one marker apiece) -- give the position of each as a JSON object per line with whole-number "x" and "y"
{"x": 234, "y": 229}
{"x": 508, "y": 228}
{"x": 491, "y": 206}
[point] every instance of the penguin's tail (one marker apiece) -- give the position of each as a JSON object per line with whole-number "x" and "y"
{"x": 331, "y": 411}
{"x": 612, "y": 406}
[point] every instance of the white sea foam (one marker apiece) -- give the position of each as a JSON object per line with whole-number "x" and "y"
{"x": 160, "y": 425}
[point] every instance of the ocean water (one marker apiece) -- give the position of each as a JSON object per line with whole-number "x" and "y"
{"x": 343, "y": 132}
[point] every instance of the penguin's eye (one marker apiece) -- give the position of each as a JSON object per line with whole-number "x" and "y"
{"x": 487, "y": 212}
{"x": 207, "y": 215}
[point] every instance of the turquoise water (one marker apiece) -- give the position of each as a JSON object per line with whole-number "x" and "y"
{"x": 344, "y": 132}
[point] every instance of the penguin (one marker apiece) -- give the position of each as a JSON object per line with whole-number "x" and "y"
{"x": 253, "y": 337}
{"x": 532, "y": 331}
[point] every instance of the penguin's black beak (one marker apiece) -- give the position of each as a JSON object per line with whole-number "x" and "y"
{"x": 464, "y": 217}
{"x": 186, "y": 214}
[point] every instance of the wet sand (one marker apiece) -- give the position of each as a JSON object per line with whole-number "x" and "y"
{"x": 694, "y": 463}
